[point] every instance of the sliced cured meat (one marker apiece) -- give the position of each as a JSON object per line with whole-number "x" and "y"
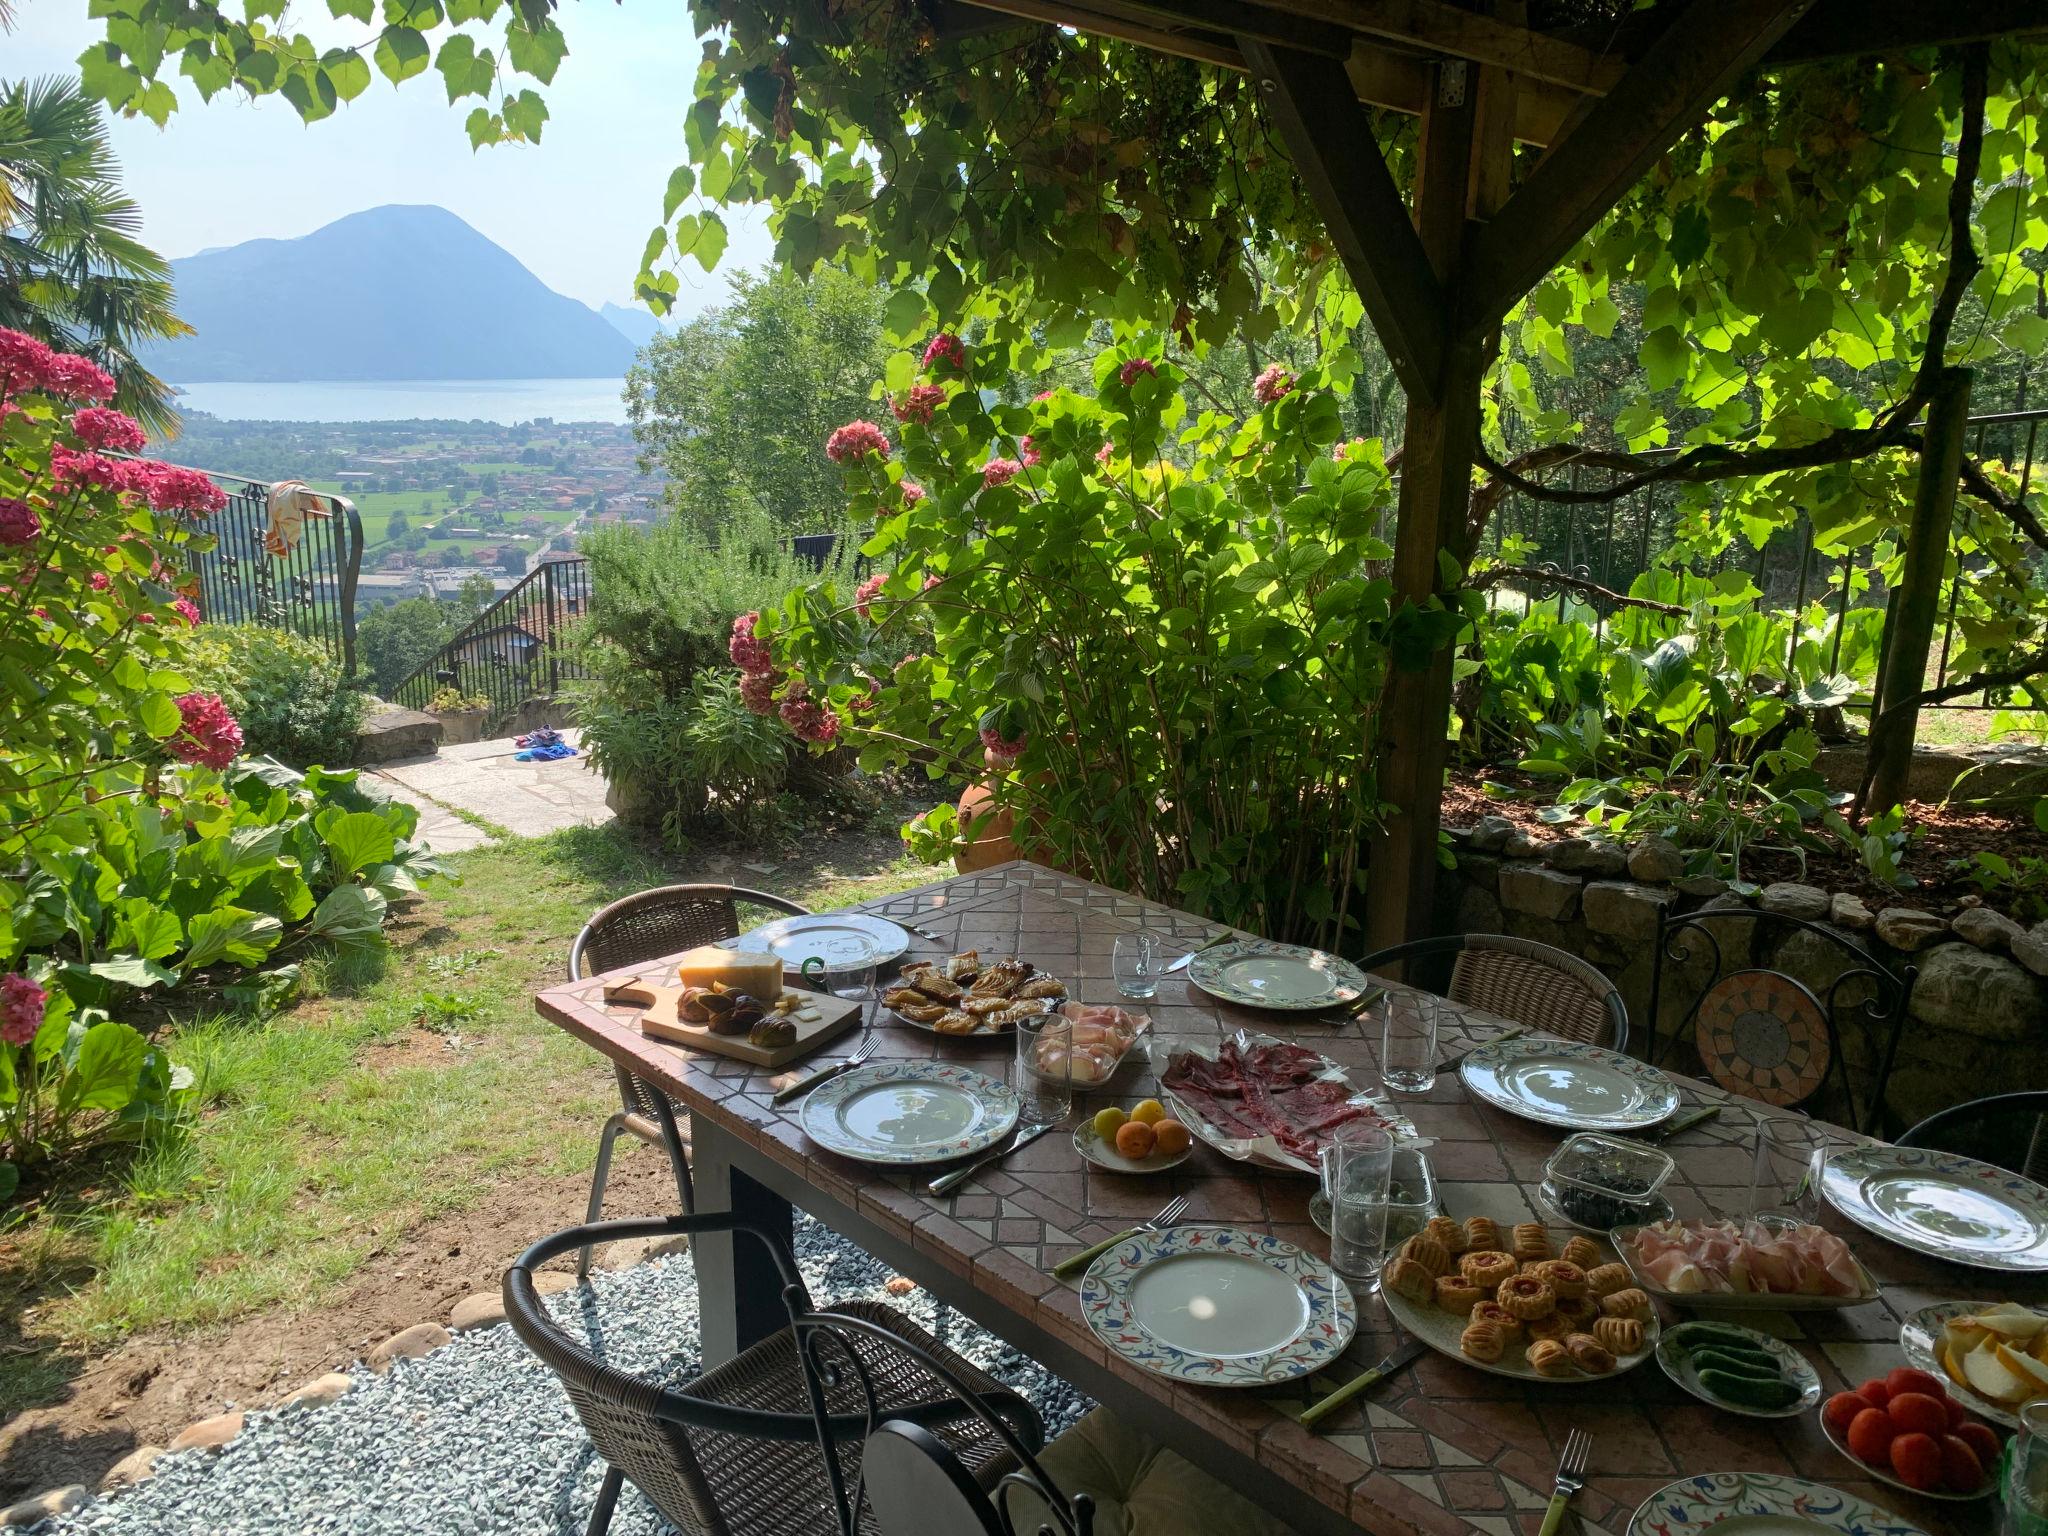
{"x": 1274, "y": 1089}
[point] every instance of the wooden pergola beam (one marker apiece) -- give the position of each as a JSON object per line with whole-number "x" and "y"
{"x": 1661, "y": 98}
{"x": 1339, "y": 161}
{"x": 1436, "y": 27}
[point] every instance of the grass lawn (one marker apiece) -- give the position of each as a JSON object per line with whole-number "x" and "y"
{"x": 401, "y": 1089}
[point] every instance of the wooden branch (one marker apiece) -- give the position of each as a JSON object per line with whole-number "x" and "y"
{"x": 1659, "y": 100}
{"x": 2026, "y": 670}
{"x": 1540, "y": 576}
{"x": 2013, "y": 508}
{"x": 1435, "y": 27}
{"x": 1339, "y": 161}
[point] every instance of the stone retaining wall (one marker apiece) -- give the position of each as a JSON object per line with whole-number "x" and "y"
{"x": 1977, "y": 1021}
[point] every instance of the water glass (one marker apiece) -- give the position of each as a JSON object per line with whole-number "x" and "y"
{"x": 1790, "y": 1156}
{"x": 1358, "y": 1165}
{"x": 851, "y": 976}
{"x": 1135, "y": 966}
{"x": 2023, "y": 1480}
{"x": 1044, "y": 1078}
{"x": 1407, "y": 1041}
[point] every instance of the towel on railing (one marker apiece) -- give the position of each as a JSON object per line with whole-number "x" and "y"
{"x": 291, "y": 503}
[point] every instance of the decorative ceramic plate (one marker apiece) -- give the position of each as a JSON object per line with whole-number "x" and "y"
{"x": 1261, "y": 974}
{"x": 1732, "y": 1301}
{"x": 1939, "y": 1204}
{"x": 843, "y": 940}
{"x": 1441, "y": 1330}
{"x": 1568, "y": 1083}
{"x": 1264, "y": 1151}
{"x": 1104, "y": 1155}
{"x": 1760, "y": 1504}
{"x": 904, "y": 1112}
{"x": 1218, "y": 1306}
{"x": 1884, "y": 1474}
{"x": 1678, "y": 1366}
{"x": 1919, "y": 1336}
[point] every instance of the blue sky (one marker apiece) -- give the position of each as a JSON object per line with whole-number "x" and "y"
{"x": 575, "y": 208}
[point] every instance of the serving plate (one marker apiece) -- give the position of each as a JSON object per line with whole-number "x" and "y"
{"x": 1671, "y": 1357}
{"x": 1885, "y": 1475}
{"x": 901, "y": 1113}
{"x": 1942, "y": 1205}
{"x": 1103, "y": 1155}
{"x": 1740, "y": 1301}
{"x": 843, "y": 940}
{"x": 1258, "y": 973}
{"x": 1920, "y": 1335}
{"x": 1569, "y": 1083}
{"x": 1264, "y": 1151}
{"x": 1760, "y": 1504}
{"x": 1218, "y": 1306}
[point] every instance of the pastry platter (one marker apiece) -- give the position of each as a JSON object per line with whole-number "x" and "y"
{"x": 966, "y": 994}
{"x": 1569, "y": 1083}
{"x": 903, "y": 1113}
{"x": 1258, "y": 973}
{"x": 1760, "y": 1504}
{"x": 1942, "y": 1205}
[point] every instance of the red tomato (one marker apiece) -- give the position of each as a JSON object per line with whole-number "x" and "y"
{"x": 1905, "y": 1379}
{"x": 1918, "y": 1461}
{"x": 1870, "y": 1435}
{"x": 1915, "y": 1413}
{"x": 1958, "y": 1415}
{"x": 1875, "y": 1392}
{"x": 1841, "y": 1411}
{"x": 1961, "y": 1471}
{"x": 1981, "y": 1438}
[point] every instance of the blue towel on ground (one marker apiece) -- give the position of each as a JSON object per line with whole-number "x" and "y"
{"x": 546, "y": 754}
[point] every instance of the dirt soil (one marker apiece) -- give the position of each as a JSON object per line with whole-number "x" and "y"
{"x": 1942, "y": 836}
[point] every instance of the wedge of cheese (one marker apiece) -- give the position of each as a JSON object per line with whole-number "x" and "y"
{"x": 742, "y": 970}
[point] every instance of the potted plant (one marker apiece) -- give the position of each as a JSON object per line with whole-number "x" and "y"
{"x": 462, "y": 715}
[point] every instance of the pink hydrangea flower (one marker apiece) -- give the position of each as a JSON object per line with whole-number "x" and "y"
{"x": 22, "y": 1004}
{"x": 865, "y": 594}
{"x": 1129, "y": 373}
{"x": 1003, "y": 751}
{"x": 24, "y": 363}
{"x": 209, "y": 736}
{"x": 757, "y": 692}
{"x": 18, "y": 521}
{"x": 945, "y": 348}
{"x": 1105, "y": 453}
{"x": 749, "y": 654}
{"x": 855, "y": 440}
{"x": 186, "y": 609}
{"x": 1274, "y": 383}
{"x": 920, "y": 404}
{"x": 1000, "y": 472}
{"x": 807, "y": 719}
{"x": 932, "y": 579}
{"x": 70, "y": 467}
{"x": 71, "y": 377}
{"x": 1342, "y": 451}
{"x": 1030, "y": 454}
{"x": 100, "y": 581}
{"x": 100, "y": 427}
{"x": 913, "y": 493}
{"x": 174, "y": 488}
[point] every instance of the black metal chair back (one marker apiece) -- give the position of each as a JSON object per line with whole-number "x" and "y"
{"x": 1534, "y": 984}
{"x": 1756, "y": 1026}
{"x": 2007, "y": 1130}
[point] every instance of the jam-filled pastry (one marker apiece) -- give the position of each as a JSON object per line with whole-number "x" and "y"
{"x": 1562, "y": 1276}
{"x": 1493, "y": 1312}
{"x": 1454, "y": 1293}
{"x": 1629, "y": 1303}
{"x": 1548, "y": 1357}
{"x": 1449, "y": 1233}
{"x": 1582, "y": 1251}
{"x": 1588, "y": 1354}
{"x": 1486, "y": 1270}
{"x": 1527, "y": 1296}
{"x": 1428, "y": 1252}
{"x": 1482, "y": 1235}
{"x": 1482, "y": 1341}
{"x": 1579, "y": 1311}
{"x": 1407, "y": 1278}
{"x": 1606, "y": 1279}
{"x": 1551, "y": 1325}
{"x": 1623, "y": 1335}
{"x": 1531, "y": 1242}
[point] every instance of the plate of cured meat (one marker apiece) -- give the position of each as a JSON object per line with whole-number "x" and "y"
{"x": 965, "y": 994}
{"x": 1770, "y": 1264}
{"x": 1269, "y": 1102}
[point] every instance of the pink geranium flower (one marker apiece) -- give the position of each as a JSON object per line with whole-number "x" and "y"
{"x": 945, "y": 348}
{"x": 920, "y": 404}
{"x": 749, "y": 654}
{"x": 100, "y": 427}
{"x": 18, "y": 521}
{"x": 209, "y": 736}
{"x": 1000, "y": 472}
{"x": 1130, "y": 372}
{"x": 865, "y": 594}
{"x": 22, "y": 1005}
{"x": 1030, "y": 454}
{"x": 913, "y": 493}
{"x": 1274, "y": 383}
{"x": 855, "y": 440}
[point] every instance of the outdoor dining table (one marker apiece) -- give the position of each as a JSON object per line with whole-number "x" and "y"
{"x": 1439, "y": 1447}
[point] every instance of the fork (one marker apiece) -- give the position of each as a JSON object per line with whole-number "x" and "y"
{"x": 854, "y": 1058}
{"x": 1169, "y": 1213}
{"x": 1571, "y": 1477}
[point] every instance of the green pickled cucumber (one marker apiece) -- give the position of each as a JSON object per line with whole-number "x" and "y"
{"x": 1749, "y": 1391}
{"x": 1760, "y": 1369}
{"x": 1699, "y": 1335}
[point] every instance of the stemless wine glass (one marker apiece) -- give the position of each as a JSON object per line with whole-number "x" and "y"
{"x": 1135, "y": 966}
{"x": 1044, "y": 1078}
{"x": 1408, "y": 1026}
{"x": 1358, "y": 1167}
{"x": 1790, "y": 1158}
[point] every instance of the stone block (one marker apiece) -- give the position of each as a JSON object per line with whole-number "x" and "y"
{"x": 320, "y": 1391}
{"x": 1481, "y": 871}
{"x": 208, "y": 1434}
{"x": 131, "y": 1469}
{"x": 1598, "y": 856}
{"x": 1706, "y": 887}
{"x": 1974, "y": 992}
{"x": 58, "y": 1501}
{"x": 1623, "y": 910}
{"x": 1789, "y": 898}
{"x": 1908, "y": 930}
{"x": 409, "y": 1344}
{"x": 1521, "y": 844}
{"x": 2031, "y": 949}
{"x": 1987, "y": 929}
{"x": 1815, "y": 957}
{"x": 1848, "y": 911}
{"x": 1540, "y": 892}
{"x": 391, "y": 733}
{"x": 486, "y": 1309}
{"x": 1478, "y": 910}
{"x": 1656, "y": 860}
{"x": 1488, "y": 833}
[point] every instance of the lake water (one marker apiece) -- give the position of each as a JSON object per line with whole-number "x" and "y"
{"x": 505, "y": 401}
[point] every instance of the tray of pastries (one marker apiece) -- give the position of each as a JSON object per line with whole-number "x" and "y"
{"x": 965, "y": 994}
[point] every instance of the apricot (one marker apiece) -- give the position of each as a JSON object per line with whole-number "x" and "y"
{"x": 1149, "y": 1111}
{"x": 1135, "y": 1139}
{"x": 1171, "y": 1137}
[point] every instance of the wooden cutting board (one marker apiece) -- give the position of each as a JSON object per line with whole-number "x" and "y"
{"x": 658, "y": 1019}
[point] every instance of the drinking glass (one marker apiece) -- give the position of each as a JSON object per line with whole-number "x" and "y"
{"x": 1407, "y": 1041}
{"x": 1044, "y": 1078}
{"x": 2023, "y": 1484}
{"x": 850, "y": 975}
{"x": 1135, "y": 966}
{"x": 1358, "y": 1165}
{"x": 1790, "y": 1157}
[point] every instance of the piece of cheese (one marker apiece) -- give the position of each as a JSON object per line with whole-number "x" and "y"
{"x": 741, "y": 970}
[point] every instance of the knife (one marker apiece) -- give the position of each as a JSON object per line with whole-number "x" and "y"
{"x": 1309, "y": 1416}
{"x": 1679, "y": 1123}
{"x": 945, "y": 1183}
{"x": 1182, "y": 963}
{"x": 1451, "y": 1064}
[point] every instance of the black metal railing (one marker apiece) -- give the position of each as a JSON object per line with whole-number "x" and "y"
{"x": 514, "y": 650}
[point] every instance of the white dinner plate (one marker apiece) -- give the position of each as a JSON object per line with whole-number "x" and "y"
{"x": 907, "y": 1112}
{"x": 1939, "y": 1204}
{"x": 1568, "y": 1083}
{"x": 1760, "y": 1504}
{"x": 841, "y": 939}
{"x": 1218, "y": 1306}
{"x": 1258, "y": 973}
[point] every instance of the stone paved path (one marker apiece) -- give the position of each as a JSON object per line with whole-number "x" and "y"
{"x": 485, "y": 778}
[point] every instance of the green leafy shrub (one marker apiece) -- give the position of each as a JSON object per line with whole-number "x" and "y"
{"x": 449, "y": 700}
{"x": 286, "y": 692}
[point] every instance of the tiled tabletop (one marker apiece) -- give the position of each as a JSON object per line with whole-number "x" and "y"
{"x": 1440, "y": 1448}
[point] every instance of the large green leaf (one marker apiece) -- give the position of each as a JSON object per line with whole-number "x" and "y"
{"x": 351, "y": 917}
{"x": 230, "y": 933}
{"x": 104, "y": 1074}
{"x": 356, "y": 840}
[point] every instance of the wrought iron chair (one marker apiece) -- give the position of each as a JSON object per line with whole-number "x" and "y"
{"x": 742, "y": 1450}
{"x": 1765, "y": 1034}
{"x": 646, "y": 926}
{"x": 1536, "y": 985}
{"x": 2007, "y": 1130}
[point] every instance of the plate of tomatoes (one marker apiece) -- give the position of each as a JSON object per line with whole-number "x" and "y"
{"x": 1904, "y": 1429}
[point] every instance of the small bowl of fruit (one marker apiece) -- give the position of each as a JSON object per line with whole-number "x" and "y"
{"x": 1142, "y": 1139}
{"x": 1905, "y": 1429}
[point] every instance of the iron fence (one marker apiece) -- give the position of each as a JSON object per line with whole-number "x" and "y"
{"x": 512, "y": 651}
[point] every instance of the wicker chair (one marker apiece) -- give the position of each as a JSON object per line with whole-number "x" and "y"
{"x": 646, "y": 926}
{"x": 1536, "y": 985}
{"x": 737, "y": 1450}
{"x": 2007, "y": 1130}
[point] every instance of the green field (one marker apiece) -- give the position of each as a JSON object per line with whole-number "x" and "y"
{"x": 424, "y": 508}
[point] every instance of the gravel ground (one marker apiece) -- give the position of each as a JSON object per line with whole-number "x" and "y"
{"x": 478, "y": 1439}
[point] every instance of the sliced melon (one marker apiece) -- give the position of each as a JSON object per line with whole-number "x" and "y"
{"x": 1949, "y": 1355}
{"x": 1987, "y": 1373}
{"x": 2010, "y": 1320}
{"x": 2026, "y": 1367}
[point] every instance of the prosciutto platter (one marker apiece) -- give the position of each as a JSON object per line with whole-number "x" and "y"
{"x": 1270, "y": 1102}
{"x": 1769, "y": 1262}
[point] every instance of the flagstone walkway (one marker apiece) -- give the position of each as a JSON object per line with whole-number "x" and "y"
{"x": 485, "y": 779}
